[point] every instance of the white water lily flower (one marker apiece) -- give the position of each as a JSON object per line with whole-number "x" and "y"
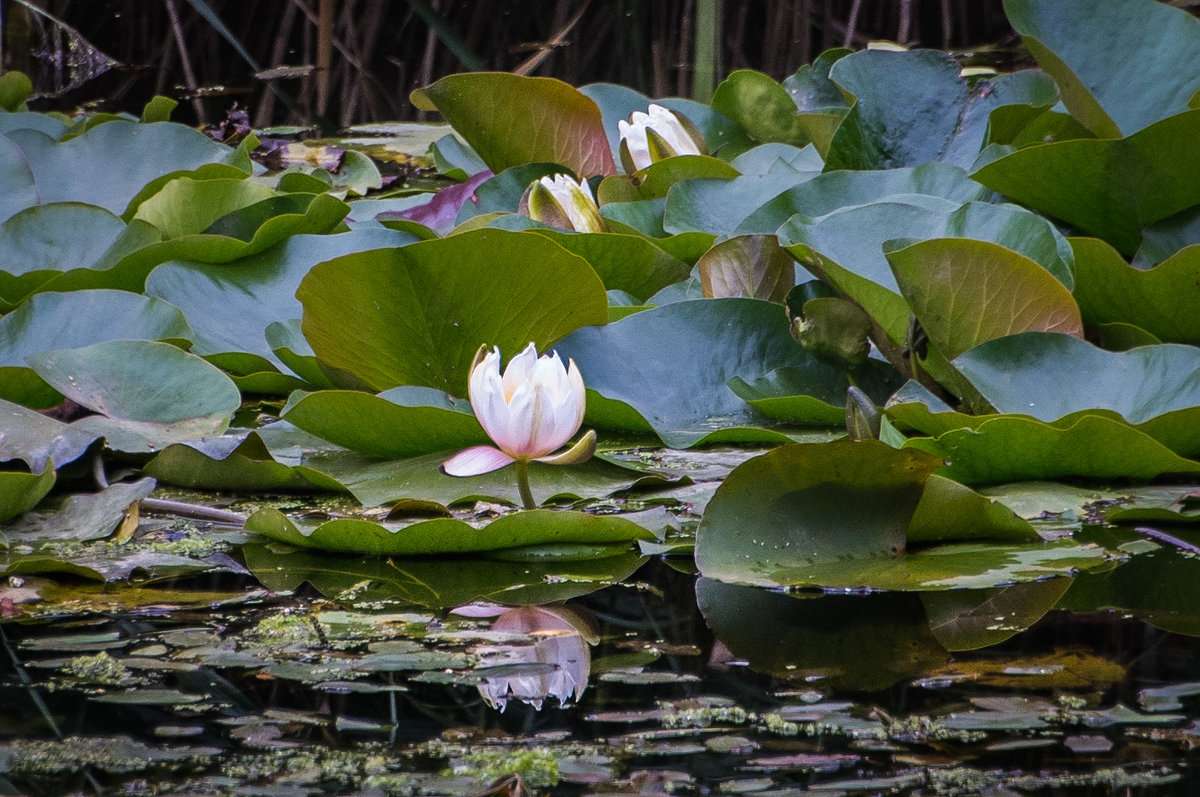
{"x": 529, "y": 412}
{"x": 650, "y": 137}
{"x": 562, "y": 202}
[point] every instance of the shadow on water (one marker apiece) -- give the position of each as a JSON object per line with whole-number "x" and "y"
{"x": 670, "y": 683}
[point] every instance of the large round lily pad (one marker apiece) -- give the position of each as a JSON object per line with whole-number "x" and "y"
{"x": 416, "y": 315}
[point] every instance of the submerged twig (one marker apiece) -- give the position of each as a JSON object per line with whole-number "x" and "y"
{"x": 177, "y": 508}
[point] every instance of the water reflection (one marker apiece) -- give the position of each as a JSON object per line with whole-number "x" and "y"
{"x": 554, "y": 663}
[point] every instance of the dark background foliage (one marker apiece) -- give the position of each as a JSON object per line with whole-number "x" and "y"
{"x": 357, "y": 60}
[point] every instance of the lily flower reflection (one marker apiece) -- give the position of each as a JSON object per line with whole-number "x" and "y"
{"x": 554, "y": 664}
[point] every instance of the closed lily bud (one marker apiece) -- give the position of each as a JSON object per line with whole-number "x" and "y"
{"x": 530, "y": 411}
{"x": 650, "y": 137}
{"x": 562, "y": 202}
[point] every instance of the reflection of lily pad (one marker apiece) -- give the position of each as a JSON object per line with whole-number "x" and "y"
{"x": 439, "y": 583}
{"x": 539, "y": 527}
{"x": 855, "y": 642}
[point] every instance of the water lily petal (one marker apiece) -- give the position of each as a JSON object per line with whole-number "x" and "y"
{"x": 582, "y": 451}
{"x": 475, "y": 461}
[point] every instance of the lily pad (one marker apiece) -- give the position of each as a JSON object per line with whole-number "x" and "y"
{"x": 69, "y": 246}
{"x": 1160, "y": 300}
{"x": 80, "y": 517}
{"x": 626, "y": 263}
{"x": 243, "y": 462}
{"x": 397, "y": 423}
{"x": 1110, "y": 188}
{"x": 1097, "y": 86}
{"x": 150, "y": 394}
{"x": 374, "y": 482}
{"x": 20, "y": 491}
{"x": 538, "y": 527}
{"x": 229, "y": 306}
{"x": 1011, "y": 448}
{"x": 416, "y": 315}
{"x": 912, "y": 107}
{"x": 838, "y": 515}
{"x": 53, "y": 321}
{"x": 37, "y": 439}
{"x": 762, "y": 107}
{"x": 649, "y": 362}
{"x": 512, "y": 120}
{"x": 110, "y": 163}
{"x": 965, "y": 292}
{"x": 845, "y": 248}
{"x": 1155, "y": 388}
{"x": 838, "y": 189}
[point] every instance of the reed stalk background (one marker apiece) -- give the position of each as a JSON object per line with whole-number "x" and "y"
{"x": 341, "y": 62}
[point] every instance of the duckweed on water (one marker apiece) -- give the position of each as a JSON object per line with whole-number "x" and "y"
{"x": 537, "y": 766}
{"x": 101, "y": 669}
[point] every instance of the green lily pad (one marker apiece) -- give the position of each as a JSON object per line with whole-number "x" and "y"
{"x": 839, "y": 514}
{"x": 881, "y": 130}
{"x": 80, "y": 517}
{"x": 762, "y": 107}
{"x": 374, "y": 482}
{"x": 416, "y": 315}
{"x": 242, "y": 463}
{"x": 626, "y": 263}
{"x": 1097, "y": 85}
{"x": 1160, "y": 300}
{"x": 965, "y": 292}
{"x": 52, "y": 321}
{"x": 110, "y": 163}
{"x": 753, "y": 266}
{"x": 397, "y": 423}
{"x": 243, "y": 231}
{"x": 20, "y": 491}
{"x": 69, "y": 246}
{"x": 721, "y": 206}
{"x": 951, "y": 512}
{"x": 18, "y": 177}
{"x": 538, "y": 527}
{"x": 229, "y": 306}
{"x": 649, "y": 362}
{"x": 150, "y": 394}
{"x": 845, "y": 248}
{"x": 1011, "y": 448}
{"x": 512, "y": 120}
{"x": 839, "y": 189}
{"x": 1050, "y": 376}
{"x": 37, "y": 439}
{"x": 1111, "y": 188}
{"x": 433, "y": 582}
{"x": 805, "y": 503}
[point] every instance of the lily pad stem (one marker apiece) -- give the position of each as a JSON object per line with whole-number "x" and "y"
{"x": 523, "y": 485}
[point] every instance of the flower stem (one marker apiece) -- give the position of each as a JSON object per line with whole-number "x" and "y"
{"x": 523, "y": 485}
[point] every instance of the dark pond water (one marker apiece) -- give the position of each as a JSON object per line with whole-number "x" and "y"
{"x": 249, "y": 692}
